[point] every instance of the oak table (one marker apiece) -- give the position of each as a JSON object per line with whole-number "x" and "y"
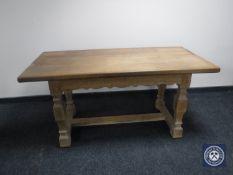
{"x": 69, "y": 70}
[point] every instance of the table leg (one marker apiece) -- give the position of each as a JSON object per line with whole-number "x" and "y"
{"x": 159, "y": 103}
{"x": 180, "y": 106}
{"x": 70, "y": 107}
{"x": 62, "y": 119}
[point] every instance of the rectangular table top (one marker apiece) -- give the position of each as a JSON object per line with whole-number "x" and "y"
{"x": 96, "y": 63}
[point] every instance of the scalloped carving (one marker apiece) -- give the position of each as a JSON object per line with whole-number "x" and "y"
{"x": 121, "y": 82}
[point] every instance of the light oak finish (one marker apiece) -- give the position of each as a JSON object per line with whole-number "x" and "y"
{"x": 106, "y": 120}
{"x": 114, "y": 62}
{"x": 69, "y": 70}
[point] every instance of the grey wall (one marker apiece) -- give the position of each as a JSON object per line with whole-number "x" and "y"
{"x": 28, "y": 27}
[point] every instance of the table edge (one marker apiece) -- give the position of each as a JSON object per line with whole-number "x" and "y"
{"x": 22, "y": 78}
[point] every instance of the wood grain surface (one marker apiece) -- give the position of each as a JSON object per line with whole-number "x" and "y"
{"x": 59, "y": 65}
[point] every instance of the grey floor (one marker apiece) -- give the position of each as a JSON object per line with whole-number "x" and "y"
{"x": 28, "y": 136}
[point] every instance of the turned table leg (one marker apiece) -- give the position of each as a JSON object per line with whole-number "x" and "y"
{"x": 159, "y": 103}
{"x": 70, "y": 107}
{"x": 180, "y": 106}
{"x": 63, "y": 113}
{"x": 62, "y": 120}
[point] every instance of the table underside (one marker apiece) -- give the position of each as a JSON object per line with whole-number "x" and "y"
{"x": 65, "y": 110}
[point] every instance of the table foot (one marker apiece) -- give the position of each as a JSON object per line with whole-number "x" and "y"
{"x": 64, "y": 139}
{"x": 176, "y": 132}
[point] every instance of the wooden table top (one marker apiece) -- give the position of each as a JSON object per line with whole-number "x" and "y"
{"x": 59, "y": 65}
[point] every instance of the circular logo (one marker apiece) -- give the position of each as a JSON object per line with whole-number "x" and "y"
{"x": 214, "y": 155}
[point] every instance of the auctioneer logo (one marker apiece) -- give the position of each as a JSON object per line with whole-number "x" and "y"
{"x": 214, "y": 155}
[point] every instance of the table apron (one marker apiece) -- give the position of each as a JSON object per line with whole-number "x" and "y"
{"x": 71, "y": 84}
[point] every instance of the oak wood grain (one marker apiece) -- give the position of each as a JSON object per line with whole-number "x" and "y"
{"x": 106, "y": 120}
{"x": 59, "y": 65}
